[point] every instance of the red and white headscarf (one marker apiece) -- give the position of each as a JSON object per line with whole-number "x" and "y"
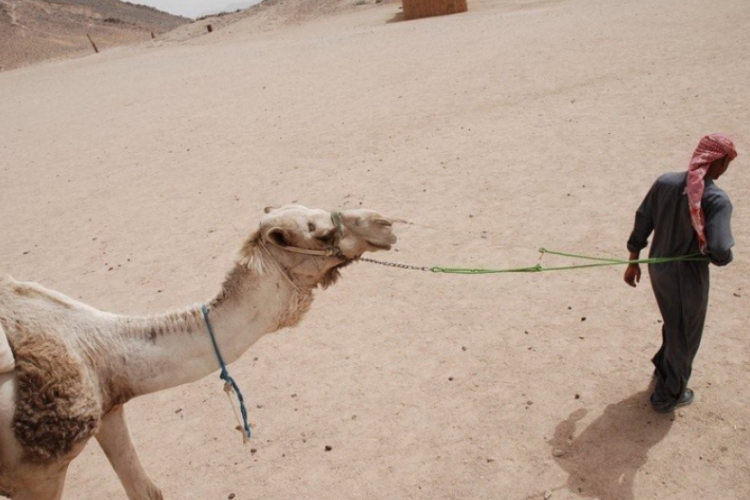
{"x": 711, "y": 148}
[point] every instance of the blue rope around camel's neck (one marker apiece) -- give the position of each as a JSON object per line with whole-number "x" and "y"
{"x": 225, "y": 373}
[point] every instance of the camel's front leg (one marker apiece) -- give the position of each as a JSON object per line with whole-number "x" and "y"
{"x": 114, "y": 438}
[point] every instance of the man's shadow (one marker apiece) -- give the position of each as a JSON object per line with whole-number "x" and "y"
{"x": 602, "y": 461}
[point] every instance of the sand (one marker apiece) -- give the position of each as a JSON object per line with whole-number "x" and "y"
{"x": 130, "y": 178}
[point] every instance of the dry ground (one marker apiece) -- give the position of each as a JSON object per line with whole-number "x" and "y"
{"x": 130, "y": 178}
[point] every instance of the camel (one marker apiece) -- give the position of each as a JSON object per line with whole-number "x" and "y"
{"x": 76, "y": 366}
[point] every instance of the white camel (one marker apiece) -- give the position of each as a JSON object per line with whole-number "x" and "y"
{"x": 76, "y": 366}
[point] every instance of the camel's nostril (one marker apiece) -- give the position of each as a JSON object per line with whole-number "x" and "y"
{"x": 383, "y": 222}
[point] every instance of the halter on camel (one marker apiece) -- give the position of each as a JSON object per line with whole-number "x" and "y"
{"x": 328, "y": 252}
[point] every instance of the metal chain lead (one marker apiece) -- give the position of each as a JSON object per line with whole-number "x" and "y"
{"x": 395, "y": 264}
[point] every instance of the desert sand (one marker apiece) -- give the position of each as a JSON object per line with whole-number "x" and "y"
{"x": 130, "y": 178}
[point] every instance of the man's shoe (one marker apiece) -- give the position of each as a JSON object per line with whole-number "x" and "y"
{"x": 670, "y": 406}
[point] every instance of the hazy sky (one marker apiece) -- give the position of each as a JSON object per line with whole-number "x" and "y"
{"x": 196, "y": 8}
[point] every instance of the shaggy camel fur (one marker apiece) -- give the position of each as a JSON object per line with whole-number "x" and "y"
{"x": 77, "y": 366}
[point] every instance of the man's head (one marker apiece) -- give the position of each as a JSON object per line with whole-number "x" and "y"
{"x": 712, "y": 156}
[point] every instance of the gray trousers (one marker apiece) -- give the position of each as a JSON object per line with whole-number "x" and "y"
{"x": 681, "y": 290}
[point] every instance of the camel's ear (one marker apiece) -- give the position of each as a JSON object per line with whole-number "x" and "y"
{"x": 269, "y": 209}
{"x": 278, "y": 236}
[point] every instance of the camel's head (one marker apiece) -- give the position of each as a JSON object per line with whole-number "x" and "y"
{"x": 315, "y": 242}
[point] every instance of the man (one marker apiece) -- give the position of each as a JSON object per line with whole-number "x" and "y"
{"x": 689, "y": 215}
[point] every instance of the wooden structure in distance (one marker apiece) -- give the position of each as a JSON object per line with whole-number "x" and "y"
{"x": 415, "y": 9}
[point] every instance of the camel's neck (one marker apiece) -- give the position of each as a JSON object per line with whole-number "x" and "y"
{"x": 169, "y": 350}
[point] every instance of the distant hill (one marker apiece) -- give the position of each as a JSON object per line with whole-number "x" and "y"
{"x": 32, "y": 31}
{"x": 230, "y": 7}
{"x": 269, "y": 15}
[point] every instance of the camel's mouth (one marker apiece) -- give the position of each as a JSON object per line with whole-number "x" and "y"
{"x": 380, "y": 246}
{"x": 371, "y": 247}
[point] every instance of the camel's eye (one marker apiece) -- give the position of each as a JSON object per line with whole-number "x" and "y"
{"x": 311, "y": 227}
{"x": 328, "y": 237}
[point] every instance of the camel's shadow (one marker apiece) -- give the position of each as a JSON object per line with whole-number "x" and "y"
{"x": 602, "y": 461}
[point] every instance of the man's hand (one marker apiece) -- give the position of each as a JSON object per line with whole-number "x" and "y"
{"x": 633, "y": 274}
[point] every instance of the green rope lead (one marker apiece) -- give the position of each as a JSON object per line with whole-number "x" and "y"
{"x": 463, "y": 270}
{"x": 600, "y": 262}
